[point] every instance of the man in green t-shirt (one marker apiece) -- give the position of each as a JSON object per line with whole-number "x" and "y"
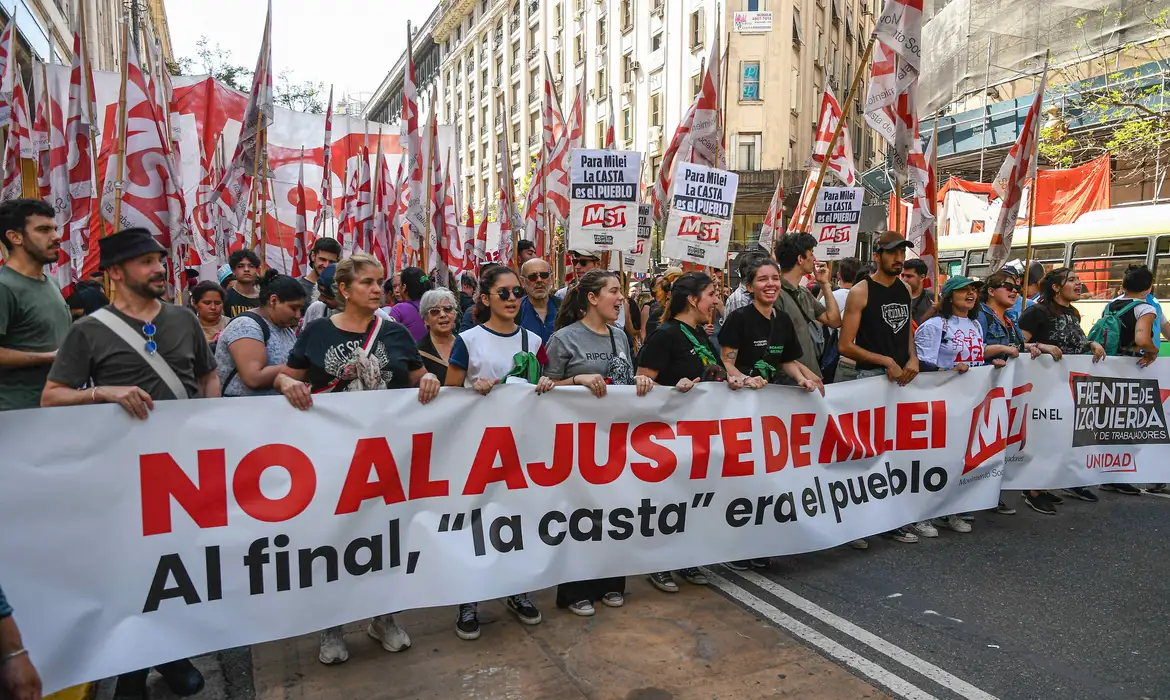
{"x": 34, "y": 317}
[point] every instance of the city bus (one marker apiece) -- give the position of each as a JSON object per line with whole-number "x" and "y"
{"x": 1099, "y": 246}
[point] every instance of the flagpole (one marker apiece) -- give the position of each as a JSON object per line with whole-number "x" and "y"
{"x": 262, "y": 196}
{"x": 849, "y": 96}
{"x": 121, "y": 122}
{"x": 427, "y": 194}
{"x": 87, "y": 77}
{"x": 1032, "y": 194}
{"x": 256, "y": 163}
{"x": 932, "y": 167}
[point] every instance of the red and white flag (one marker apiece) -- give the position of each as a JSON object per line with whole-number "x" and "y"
{"x": 347, "y": 225}
{"x": 557, "y": 172}
{"x": 1009, "y": 182}
{"x": 435, "y": 225}
{"x": 534, "y": 213}
{"x": 772, "y": 220}
{"x": 481, "y": 241}
{"x": 154, "y": 202}
{"x": 611, "y": 126}
{"x": 450, "y": 239}
{"x": 7, "y": 70}
{"x": 706, "y": 128}
{"x": 301, "y": 242}
{"x": 327, "y": 171}
{"x": 803, "y": 205}
{"x": 80, "y": 154}
{"x": 666, "y": 167}
{"x": 235, "y": 189}
{"x": 385, "y": 206}
{"x": 841, "y": 160}
{"x": 364, "y": 205}
{"x": 41, "y": 128}
{"x": 468, "y": 242}
{"x": 415, "y": 214}
{"x": 509, "y": 221}
{"x": 18, "y": 143}
{"x": 923, "y": 231}
{"x": 900, "y": 27}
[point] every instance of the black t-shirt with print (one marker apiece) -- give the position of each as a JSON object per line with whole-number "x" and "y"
{"x": 236, "y": 304}
{"x": 757, "y": 338}
{"x": 673, "y": 355}
{"x": 1062, "y": 329}
{"x": 329, "y": 354}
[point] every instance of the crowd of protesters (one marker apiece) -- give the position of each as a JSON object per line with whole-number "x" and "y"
{"x": 345, "y": 326}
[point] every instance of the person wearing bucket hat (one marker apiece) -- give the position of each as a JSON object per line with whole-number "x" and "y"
{"x": 875, "y": 336}
{"x": 952, "y": 340}
{"x": 107, "y": 352}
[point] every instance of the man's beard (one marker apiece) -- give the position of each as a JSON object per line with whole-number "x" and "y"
{"x": 44, "y": 257}
{"x": 145, "y": 289}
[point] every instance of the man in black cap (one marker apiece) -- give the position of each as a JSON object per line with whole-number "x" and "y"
{"x": 34, "y": 317}
{"x": 875, "y": 334}
{"x": 134, "y": 352}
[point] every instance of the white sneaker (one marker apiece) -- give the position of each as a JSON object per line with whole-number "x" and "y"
{"x": 925, "y": 529}
{"x": 584, "y": 608}
{"x": 333, "y": 649}
{"x": 384, "y": 629}
{"x": 859, "y": 544}
{"x": 955, "y": 523}
{"x": 613, "y": 599}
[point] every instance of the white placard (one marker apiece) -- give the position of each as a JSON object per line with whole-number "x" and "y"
{"x": 752, "y": 22}
{"x": 836, "y": 221}
{"x": 603, "y": 199}
{"x": 699, "y": 226}
{"x": 637, "y": 259}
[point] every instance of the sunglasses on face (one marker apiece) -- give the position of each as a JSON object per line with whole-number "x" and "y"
{"x": 505, "y": 294}
{"x": 1011, "y": 287}
{"x": 538, "y": 276}
{"x": 436, "y": 310}
{"x": 582, "y": 262}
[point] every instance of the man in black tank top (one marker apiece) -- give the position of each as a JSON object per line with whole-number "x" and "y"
{"x": 875, "y": 333}
{"x": 876, "y": 330}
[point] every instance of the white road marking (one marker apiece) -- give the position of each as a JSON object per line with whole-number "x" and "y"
{"x": 893, "y": 651}
{"x": 896, "y": 684}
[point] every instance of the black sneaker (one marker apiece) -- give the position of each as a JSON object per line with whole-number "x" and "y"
{"x": 1160, "y": 489}
{"x": 1005, "y": 509}
{"x": 467, "y": 624}
{"x": 693, "y": 575}
{"x": 523, "y": 609}
{"x": 181, "y": 677}
{"x": 1127, "y": 489}
{"x": 742, "y": 565}
{"x": 760, "y": 563}
{"x": 1040, "y": 503}
{"x": 663, "y": 581}
{"x": 1053, "y": 498}
{"x": 1083, "y": 494}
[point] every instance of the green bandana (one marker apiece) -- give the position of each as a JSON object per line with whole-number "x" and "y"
{"x": 705, "y": 354}
{"x": 524, "y": 365}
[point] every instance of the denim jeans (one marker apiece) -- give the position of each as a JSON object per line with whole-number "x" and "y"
{"x": 847, "y": 370}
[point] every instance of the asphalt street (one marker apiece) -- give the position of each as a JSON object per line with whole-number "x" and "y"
{"x": 1072, "y": 606}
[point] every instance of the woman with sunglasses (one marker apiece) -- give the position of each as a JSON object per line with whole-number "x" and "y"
{"x": 1056, "y": 322}
{"x": 355, "y": 350}
{"x": 679, "y": 354}
{"x": 497, "y": 350}
{"x": 438, "y": 308}
{"x": 589, "y": 350}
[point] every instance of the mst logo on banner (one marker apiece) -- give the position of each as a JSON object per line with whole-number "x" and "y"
{"x": 636, "y": 260}
{"x": 699, "y": 229}
{"x": 603, "y": 206}
{"x": 1109, "y": 411}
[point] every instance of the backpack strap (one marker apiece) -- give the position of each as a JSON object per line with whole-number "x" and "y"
{"x": 264, "y": 331}
{"x": 136, "y": 342}
{"x": 367, "y": 345}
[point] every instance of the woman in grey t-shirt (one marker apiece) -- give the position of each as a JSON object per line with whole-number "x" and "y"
{"x": 253, "y": 348}
{"x": 589, "y": 350}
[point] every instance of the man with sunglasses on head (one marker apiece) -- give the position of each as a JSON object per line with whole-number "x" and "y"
{"x": 134, "y": 352}
{"x": 584, "y": 261}
{"x": 538, "y": 310}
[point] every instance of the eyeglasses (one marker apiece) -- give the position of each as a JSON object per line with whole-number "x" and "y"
{"x": 149, "y": 330}
{"x": 436, "y": 310}
{"x": 505, "y": 294}
{"x": 539, "y": 276}
{"x": 1010, "y": 287}
{"x": 582, "y": 262}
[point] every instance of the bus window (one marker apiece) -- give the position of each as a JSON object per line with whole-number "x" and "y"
{"x": 977, "y": 265}
{"x": 1051, "y": 255}
{"x": 1162, "y": 268}
{"x": 1101, "y": 264}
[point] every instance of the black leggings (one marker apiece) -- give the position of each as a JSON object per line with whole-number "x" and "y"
{"x": 576, "y": 591}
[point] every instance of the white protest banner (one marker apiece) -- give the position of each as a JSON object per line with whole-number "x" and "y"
{"x": 603, "y": 199}
{"x": 836, "y": 221}
{"x": 202, "y": 527}
{"x": 636, "y": 259}
{"x": 699, "y": 226}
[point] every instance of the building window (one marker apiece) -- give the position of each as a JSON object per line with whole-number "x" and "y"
{"x": 656, "y": 41}
{"x": 534, "y": 80}
{"x": 627, "y": 13}
{"x": 797, "y": 29}
{"x": 579, "y": 49}
{"x": 579, "y": 6}
{"x": 696, "y": 85}
{"x": 750, "y": 81}
{"x": 754, "y": 5}
{"x": 601, "y": 127}
{"x": 601, "y": 85}
{"x": 628, "y": 123}
{"x": 748, "y": 152}
{"x": 515, "y": 55}
{"x": 601, "y": 33}
{"x": 698, "y": 28}
{"x": 516, "y": 134}
{"x": 655, "y": 166}
{"x": 558, "y": 18}
{"x": 794, "y": 91}
{"x": 628, "y": 69}
{"x": 558, "y": 63}
{"x": 656, "y": 109}
{"x": 532, "y": 38}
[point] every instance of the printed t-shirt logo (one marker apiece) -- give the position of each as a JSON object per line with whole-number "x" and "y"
{"x": 895, "y": 315}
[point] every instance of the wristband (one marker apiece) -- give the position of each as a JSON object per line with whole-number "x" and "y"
{"x": 12, "y": 655}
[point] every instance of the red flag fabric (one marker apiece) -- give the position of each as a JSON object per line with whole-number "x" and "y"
{"x": 772, "y": 219}
{"x": 364, "y": 206}
{"x": 18, "y": 143}
{"x": 416, "y": 207}
{"x": 468, "y": 242}
{"x": 301, "y": 243}
{"x": 77, "y": 133}
{"x": 1062, "y": 196}
{"x": 327, "y": 172}
{"x": 534, "y": 213}
{"x": 7, "y": 70}
{"x": 805, "y": 202}
{"x": 610, "y": 128}
{"x": 841, "y": 160}
{"x": 1009, "y": 182}
{"x": 557, "y": 175}
{"x": 923, "y": 231}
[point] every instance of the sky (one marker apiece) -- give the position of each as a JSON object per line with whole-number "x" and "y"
{"x": 351, "y": 44}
